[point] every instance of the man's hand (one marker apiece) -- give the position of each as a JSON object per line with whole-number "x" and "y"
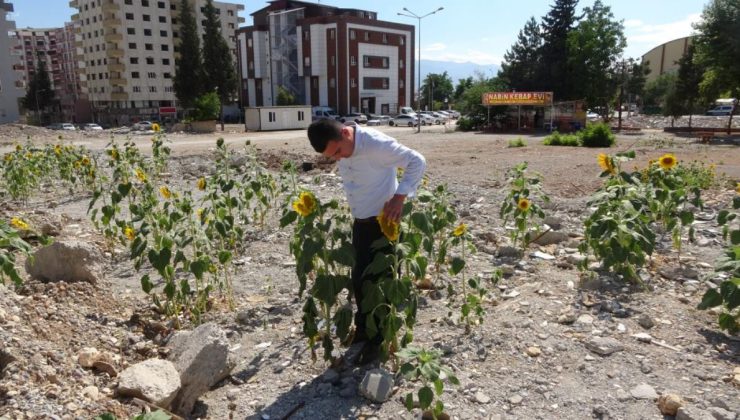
{"x": 394, "y": 207}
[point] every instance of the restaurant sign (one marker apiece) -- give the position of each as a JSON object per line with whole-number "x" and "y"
{"x": 517, "y": 98}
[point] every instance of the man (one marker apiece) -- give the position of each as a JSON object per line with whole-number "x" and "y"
{"x": 368, "y": 161}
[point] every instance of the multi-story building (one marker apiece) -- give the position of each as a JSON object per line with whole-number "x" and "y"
{"x": 664, "y": 58}
{"x": 56, "y": 49}
{"x": 11, "y": 83}
{"x": 326, "y": 56}
{"x": 129, "y": 49}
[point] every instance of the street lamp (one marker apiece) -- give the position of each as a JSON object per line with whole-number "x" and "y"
{"x": 411, "y": 14}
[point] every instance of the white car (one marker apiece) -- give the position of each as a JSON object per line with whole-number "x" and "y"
{"x": 142, "y": 125}
{"x": 379, "y": 120}
{"x": 92, "y": 127}
{"x": 404, "y": 120}
{"x": 427, "y": 119}
{"x": 68, "y": 127}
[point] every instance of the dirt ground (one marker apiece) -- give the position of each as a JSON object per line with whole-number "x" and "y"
{"x": 45, "y": 325}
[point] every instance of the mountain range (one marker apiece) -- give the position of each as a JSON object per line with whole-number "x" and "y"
{"x": 457, "y": 71}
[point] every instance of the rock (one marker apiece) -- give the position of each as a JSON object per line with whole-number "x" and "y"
{"x": 645, "y": 321}
{"x": 644, "y": 392}
{"x": 66, "y": 260}
{"x": 554, "y": 222}
{"x": 105, "y": 367}
{"x": 604, "y": 346}
{"x": 543, "y": 256}
{"x": 551, "y": 238}
{"x": 692, "y": 413}
{"x": 3, "y": 316}
{"x": 511, "y": 294}
{"x": 533, "y": 351}
{"x": 720, "y": 413}
{"x": 377, "y": 385}
{"x": 482, "y": 398}
{"x": 678, "y": 273}
{"x": 643, "y": 337}
{"x": 202, "y": 358}
{"x": 88, "y": 356}
{"x": 91, "y": 392}
{"x": 669, "y": 404}
{"x": 154, "y": 380}
{"x": 516, "y": 399}
{"x": 576, "y": 259}
{"x": 509, "y": 252}
{"x": 567, "y": 317}
{"x": 736, "y": 376}
{"x": 51, "y": 229}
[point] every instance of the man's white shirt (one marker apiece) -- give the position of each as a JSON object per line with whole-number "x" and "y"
{"x": 369, "y": 175}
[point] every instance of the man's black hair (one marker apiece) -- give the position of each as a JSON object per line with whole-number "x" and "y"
{"x": 322, "y": 131}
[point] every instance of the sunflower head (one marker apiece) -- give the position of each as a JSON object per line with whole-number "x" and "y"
{"x": 140, "y": 175}
{"x": 606, "y": 163}
{"x": 85, "y": 161}
{"x": 113, "y": 154}
{"x": 305, "y": 204}
{"x": 57, "y": 150}
{"x": 129, "y": 232}
{"x": 737, "y": 188}
{"x": 156, "y": 128}
{"x": 8, "y": 157}
{"x": 18, "y": 223}
{"x": 18, "y": 148}
{"x": 166, "y": 193}
{"x": 668, "y": 161}
{"x": 523, "y": 204}
{"x": 460, "y": 230}
{"x": 201, "y": 183}
{"x": 390, "y": 228}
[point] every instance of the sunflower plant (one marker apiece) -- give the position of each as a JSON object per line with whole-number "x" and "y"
{"x": 426, "y": 366}
{"x": 522, "y": 205}
{"x": 471, "y": 309}
{"x": 11, "y": 244}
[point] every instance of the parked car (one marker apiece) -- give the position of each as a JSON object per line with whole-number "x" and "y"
{"x": 592, "y": 115}
{"x": 320, "y": 112}
{"x": 68, "y": 127}
{"x": 446, "y": 114}
{"x": 92, "y": 127}
{"x": 379, "y": 120}
{"x": 404, "y": 120}
{"x": 453, "y": 113}
{"x": 720, "y": 110}
{"x": 142, "y": 125}
{"x": 441, "y": 117}
{"x": 354, "y": 116}
{"x": 55, "y": 126}
{"x": 427, "y": 119}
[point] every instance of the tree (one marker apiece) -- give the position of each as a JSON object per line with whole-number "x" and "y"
{"x": 656, "y": 91}
{"x": 637, "y": 78}
{"x": 471, "y": 101}
{"x": 687, "y": 83}
{"x": 595, "y": 48}
{"x": 285, "y": 97}
{"x": 436, "y": 88}
{"x": 718, "y": 47}
{"x": 40, "y": 94}
{"x": 672, "y": 105}
{"x": 522, "y": 64}
{"x": 556, "y": 28}
{"x": 220, "y": 73}
{"x": 188, "y": 81}
{"x": 462, "y": 86}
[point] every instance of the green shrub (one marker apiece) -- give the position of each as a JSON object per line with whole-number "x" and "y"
{"x": 465, "y": 124}
{"x": 517, "y": 143}
{"x": 207, "y": 107}
{"x": 597, "y": 135}
{"x": 557, "y": 139}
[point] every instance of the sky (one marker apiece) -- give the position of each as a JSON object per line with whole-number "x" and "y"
{"x": 478, "y": 31}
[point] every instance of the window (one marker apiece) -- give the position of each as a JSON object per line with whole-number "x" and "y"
{"x": 150, "y": 60}
{"x": 132, "y": 45}
{"x": 131, "y": 31}
{"x": 315, "y": 82}
{"x": 400, "y": 84}
{"x": 353, "y": 61}
{"x": 161, "y": 4}
{"x": 400, "y": 63}
{"x": 163, "y": 33}
{"x": 402, "y": 39}
{"x": 366, "y": 61}
{"x": 173, "y": 7}
{"x": 147, "y": 32}
{"x": 137, "y": 89}
{"x": 231, "y": 26}
{"x": 307, "y": 61}
{"x": 385, "y": 38}
{"x": 153, "y": 89}
{"x": 251, "y": 65}
{"x": 306, "y": 35}
{"x": 167, "y": 75}
{"x": 129, "y": 16}
{"x": 152, "y": 75}
{"x": 145, "y": 3}
{"x": 353, "y": 82}
{"x": 367, "y": 35}
{"x": 231, "y": 13}
{"x": 166, "y": 61}
{"x": 163, "y": 19}
{"x": 174, "y": 20}
{"x": 147, "y": 18}
{"x": 134, "y": 74}
{"x": 175, "y": 34}
{"x": 331, "y": 33}
{"x": 249, "y": 43}
{"x": 165, "y": 47}
{"x": 352, "y": 34}
{"x": 271, "y": 117}
{"x": 134, "y": 60}
{"x": 332, "y": 83}
{"x": 148, "y": 47}
{"x": 301, "y": 116}
{"x": 169, "y": 89}
{"x": 385, "y": 62}
{"x": 375, "y": 83}
{"x": 333, "y": 60}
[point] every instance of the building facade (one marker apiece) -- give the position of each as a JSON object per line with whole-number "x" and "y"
{"x": 11, "y": 83}
{"x": 326, "y": 56}
{"x": 664, "y": 58}
{"x": 129, "y": 49}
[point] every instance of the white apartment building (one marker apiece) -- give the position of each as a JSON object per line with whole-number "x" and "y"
{"x": 11, "y": 85}
{"x": 129, "y": 49}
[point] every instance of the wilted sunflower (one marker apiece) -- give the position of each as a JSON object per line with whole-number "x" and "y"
{"x": 166, "y": 193}
{"x": 305, "y": 204}
{"x": 201, "y": 183}
{"x": 140, "y": 175}
{"x": 667, "y": 161}
{"x": 18, "y": 223}
{"x": 523, "y": 204}
{"x": 18, "y": 147}
{"x": 606, "y": 163}
{"x": 156, "y": 128}
{"x": 460, "y": 230}
{"x": 129, "y": 232}
{"x": 390, "y": 228}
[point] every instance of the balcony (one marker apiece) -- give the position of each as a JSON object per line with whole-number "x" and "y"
{"x": 115, "y": 52}
{"x": 73, "y": 4}
{"x": 75, "y": 17}
{"x": 119, "y": 96}
{"x": 118, "y": 82}
{"x": 79, "y": 44}
{"x": 110, "y": 37}
{"x": 119, "y": 67}
{"x": 241, "y": 20}
{"x": 111, "y": 21}
{"x": 110, "y": 6}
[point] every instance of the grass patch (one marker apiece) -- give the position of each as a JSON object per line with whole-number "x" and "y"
{"x": 594, "y": 135}
{"x": 557, "y": 139}
{"x": 519, "y": 142}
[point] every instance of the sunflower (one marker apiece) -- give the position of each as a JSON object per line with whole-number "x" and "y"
{"x": 18, "y": 148}
{"x": 114, "y": 154}
{"x": 606, "y": 163}
{"x": 523, "y": 204}
{"x": 390, "y": 228}
{"x": 737, "y": 189}
{"x": 85, "y": 161}
{"x": 166, "y": 193}
{"x": 58, "y": 150}
{"x": 460, "y": 230}
{"x": 8, "y": 157}
{"x": 18, "y": 223}
{"x": 305, "y": 204}
{"x": 129, "y": 232}
{"x": 201, "y": 183}
{"x": 667, "y": 161}
{"x": 156, "y": 128}
{"x": 141, "y": 175}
